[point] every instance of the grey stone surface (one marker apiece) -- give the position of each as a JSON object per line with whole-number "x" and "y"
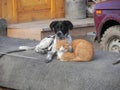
{"x": 28, "y": 74}
{"x": 75, "y": 9}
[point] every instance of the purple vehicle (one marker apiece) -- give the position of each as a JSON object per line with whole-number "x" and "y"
{"x": 107, "y": 23}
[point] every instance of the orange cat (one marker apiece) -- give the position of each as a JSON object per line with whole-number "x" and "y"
{"x": 82, "y": 50}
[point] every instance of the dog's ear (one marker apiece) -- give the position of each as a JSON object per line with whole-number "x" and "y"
{"x": 69, "y": 24}
{"x": 52, "y": 25}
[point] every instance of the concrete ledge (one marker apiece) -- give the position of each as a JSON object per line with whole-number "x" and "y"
{"x": 39, "y": 30}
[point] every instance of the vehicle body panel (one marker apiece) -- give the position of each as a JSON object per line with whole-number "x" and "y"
{"x": 110, "y": 11}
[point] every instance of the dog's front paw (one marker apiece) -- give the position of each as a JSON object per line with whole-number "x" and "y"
{"x": 49, "y": 57}
{"x": 47, "y": 61}
{"x": 70, "y": 49}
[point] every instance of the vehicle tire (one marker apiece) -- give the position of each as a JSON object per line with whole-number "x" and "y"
{"x": 111, "y": 39}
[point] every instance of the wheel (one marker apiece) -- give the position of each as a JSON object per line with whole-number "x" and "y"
{"x": 111, "y": 39}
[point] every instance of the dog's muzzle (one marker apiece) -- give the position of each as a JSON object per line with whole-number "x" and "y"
{"x": 60, "y": 35}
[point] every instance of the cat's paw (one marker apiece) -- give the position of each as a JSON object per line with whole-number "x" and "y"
{"x": 63, "y": 60}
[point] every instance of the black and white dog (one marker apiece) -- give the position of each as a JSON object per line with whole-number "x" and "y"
{"x": 61, "y": 29}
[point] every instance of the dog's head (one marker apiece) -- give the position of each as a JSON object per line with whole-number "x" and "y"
{"x": 61, "y": 28}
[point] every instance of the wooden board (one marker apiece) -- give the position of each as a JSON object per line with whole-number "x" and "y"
{"x": 59, "y": 9}
{"x": 0, "y": 8}
{"x": 29, "y": 10}
{"x": 16, "y": 11}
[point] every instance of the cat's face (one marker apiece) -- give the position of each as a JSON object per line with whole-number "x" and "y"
{"x": 62, "y": 45}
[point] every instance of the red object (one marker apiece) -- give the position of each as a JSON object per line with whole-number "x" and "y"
{"x": 105, "y": 13}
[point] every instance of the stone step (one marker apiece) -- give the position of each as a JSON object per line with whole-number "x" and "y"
{"x": 40, "y": 29}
